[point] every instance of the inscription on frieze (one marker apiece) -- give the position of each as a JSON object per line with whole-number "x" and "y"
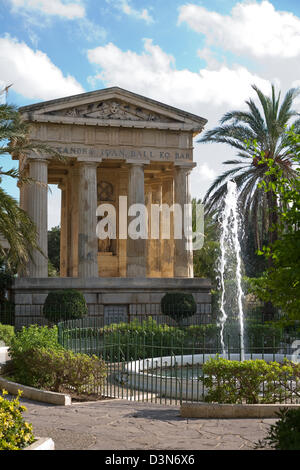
{"x": 123, "y": 154}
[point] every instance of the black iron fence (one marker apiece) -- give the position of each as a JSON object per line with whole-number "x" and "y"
{"x": 164, "y": 364}
{"x": 153, "y": 357}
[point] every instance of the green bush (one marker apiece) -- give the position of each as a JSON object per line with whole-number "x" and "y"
{"x": 285, "y": 433}
{"x": 15, "y": 433}
{"x": 126, "y": 341}
{"x": 129, "y": 341}
{"x": 38, "y": 360}
{"x": 7, "y": 332}
{"x": 238, "y": 382}
{"x": 32, "y": 337}
{"x": 138, "y": 340}
{"x": 63, "y": 371}
{"x": 263, "y": 337}
{"x": 258, "y": 337}
{"x": 178, "y": 305}
{"x": 64, "y": 304}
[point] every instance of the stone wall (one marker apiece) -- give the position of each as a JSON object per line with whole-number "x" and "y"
{"x": 135, "y": 296}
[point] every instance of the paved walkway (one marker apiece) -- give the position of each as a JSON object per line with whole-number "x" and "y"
{"x": 125, "y": 425}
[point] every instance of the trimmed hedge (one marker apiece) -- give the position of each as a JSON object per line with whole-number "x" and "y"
{"x": 67, "y": 304}
{"x": 178, "y": 305}
{"x": 137, "y": 340}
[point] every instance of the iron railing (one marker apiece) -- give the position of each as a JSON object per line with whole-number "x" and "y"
{"x": 162, "y": 364}
{"x": 152, "y": 357}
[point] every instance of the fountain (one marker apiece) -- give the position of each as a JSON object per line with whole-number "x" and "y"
{"x": 229, "y": 242}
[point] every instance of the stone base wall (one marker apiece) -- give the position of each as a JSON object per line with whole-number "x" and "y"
{"x": 104, "y": 295}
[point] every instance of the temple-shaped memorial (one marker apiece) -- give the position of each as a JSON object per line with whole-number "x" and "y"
{"x": 120, "y": 149}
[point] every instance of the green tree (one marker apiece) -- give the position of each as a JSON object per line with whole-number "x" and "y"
{"x": 54, "y": 247}
{"x": 205, "y": 259}
{"x": 17, "y": 231}
{"x": 281, "y": 282}
{"x": 265, "y": 130}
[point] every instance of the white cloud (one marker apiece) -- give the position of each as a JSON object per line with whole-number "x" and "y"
{"x": 91, "y": 31}
{"x": 201, "y": 177}
{"x": 32, "y": 73}
{"x": 38, "y": 14}
{"x": 153, "y": 73}
{"x": 254, "y": 28}
{"x": 64, "y": 8}
{"x": 125, "y": 7}
{"x": 205, "y": 173}
{"x": 208, "y": 93}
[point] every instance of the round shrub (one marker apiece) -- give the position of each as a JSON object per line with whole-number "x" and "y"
{"x": 178, "y": 305}
{"x": 67, "y": 304}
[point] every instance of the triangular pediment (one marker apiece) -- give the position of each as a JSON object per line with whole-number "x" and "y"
{"x": 111, "y": 105}
{"x": 111, "y": 109}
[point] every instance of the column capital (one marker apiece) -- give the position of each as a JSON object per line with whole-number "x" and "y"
{"x": 82, "y": 163}
{"x": 187, "y": 166}
{"x": 133, "y": 163}
{"x": 32, "y": 159}
{"x": 62, "y": 185}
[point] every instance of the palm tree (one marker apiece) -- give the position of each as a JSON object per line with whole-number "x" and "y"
{"x": 256, "y": 134}
{"x": 18, "y": 235}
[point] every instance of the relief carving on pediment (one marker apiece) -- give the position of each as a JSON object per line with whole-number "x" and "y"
{"x": 111, "y": 109}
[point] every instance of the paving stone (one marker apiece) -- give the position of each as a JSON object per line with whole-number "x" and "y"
{"x": 124, "y": 425}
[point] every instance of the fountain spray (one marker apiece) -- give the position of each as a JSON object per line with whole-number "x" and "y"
{"x": 229, "y": 240}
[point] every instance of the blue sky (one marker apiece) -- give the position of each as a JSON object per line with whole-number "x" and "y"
{"x": 200, "y": 56}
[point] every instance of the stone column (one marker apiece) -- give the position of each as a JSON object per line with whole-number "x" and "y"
{"x": 122, "y": 242}
{"x": 73, "y": 203}
{"x": 183, "y": 259}
{"x": 167, "y": 245}
{"x": 148, "y": 202}
{"x": 136, "y": 249}
{"x": 155, "y": 243}
{"x": 37, "y": 208}
{"x": 87, "y": 238}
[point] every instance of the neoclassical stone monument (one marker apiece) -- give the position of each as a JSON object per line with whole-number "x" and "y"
{"x": 115, "y": 143}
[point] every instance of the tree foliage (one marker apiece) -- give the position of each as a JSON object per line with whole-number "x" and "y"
{"x": 18, "y": 234}
{"x": 205, "y": 259}
{"x": 281, "y": 282}
{"x": 54, "y": 247}
{"x": 264, "y": 127}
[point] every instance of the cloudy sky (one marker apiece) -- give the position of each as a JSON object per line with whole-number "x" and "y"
{"x": 200, "y": 56}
